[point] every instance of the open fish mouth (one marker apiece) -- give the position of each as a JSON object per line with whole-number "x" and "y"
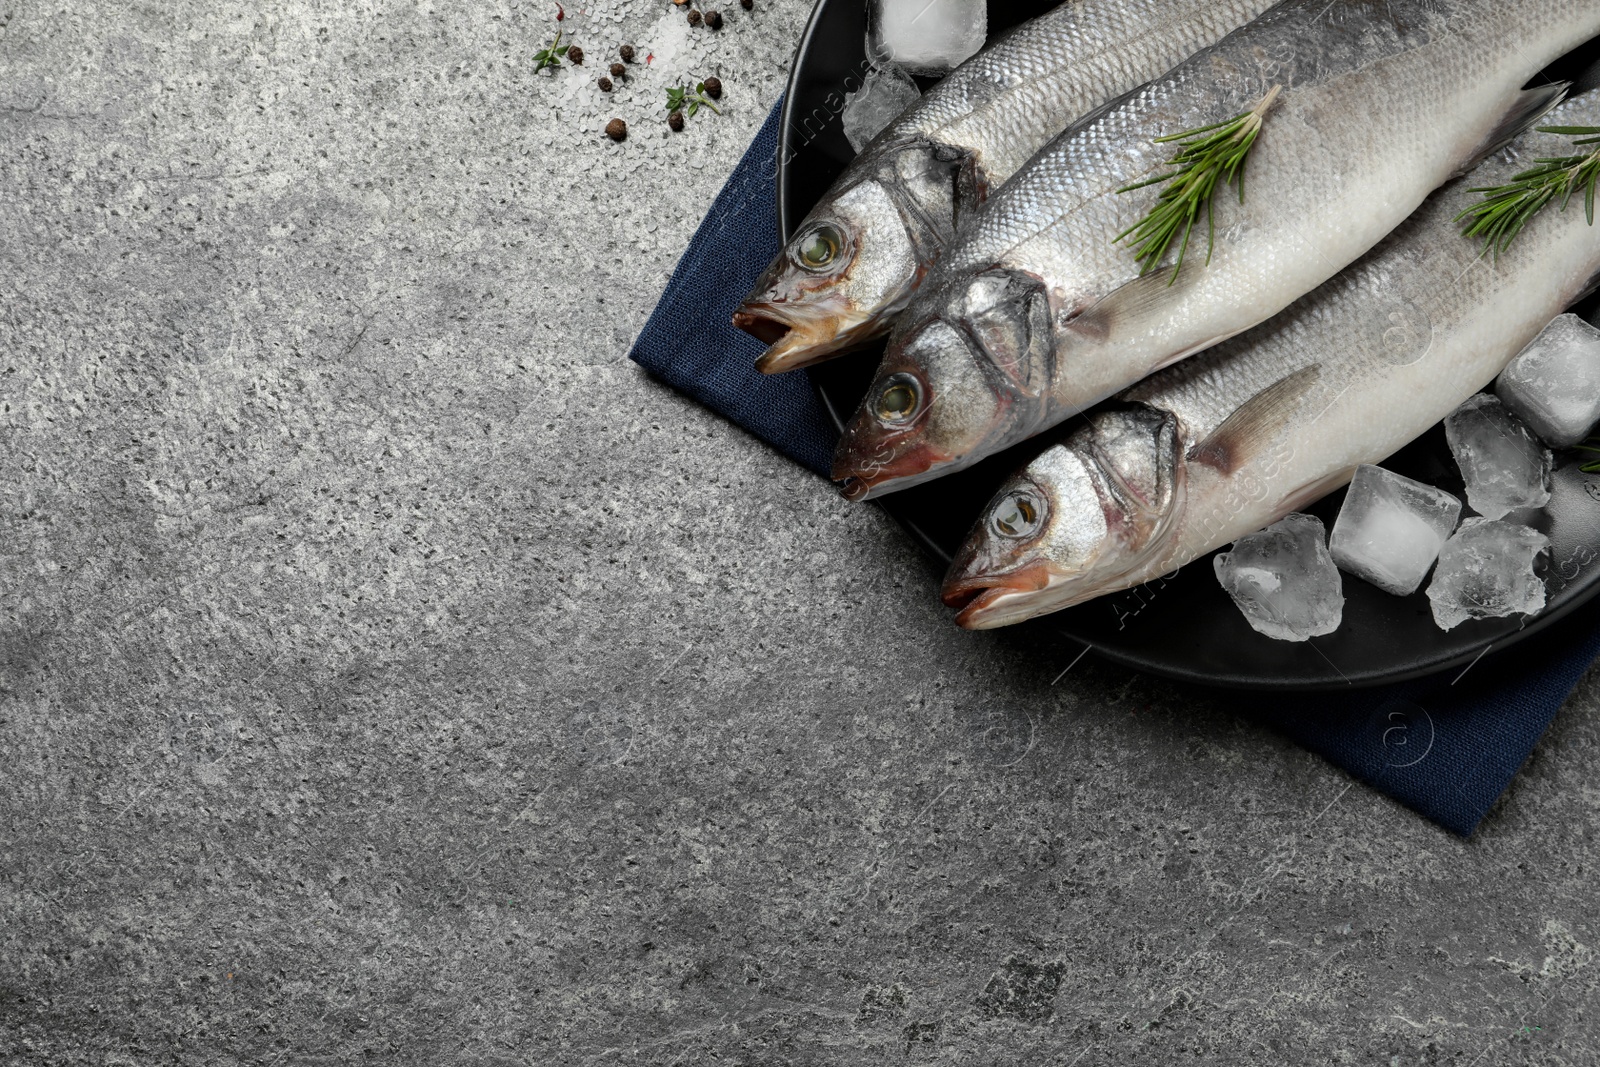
{"x": 795, "y": 341}
{"x": 990, "y": 601}
{"x": 763, "y": 327}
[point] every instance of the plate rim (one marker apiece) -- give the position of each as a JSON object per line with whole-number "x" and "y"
{"x": 1259, "y": 683}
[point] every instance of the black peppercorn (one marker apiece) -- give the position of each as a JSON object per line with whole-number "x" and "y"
{"x": 714, "y": 19}
{"x": 675, "y": 120}
{"x": 747, "y": 4}
{"x": 618, "y": 70}
{"x": 575, "y": 56}
{"x": 694, "y": 17}
{"x": 605, "y": 85}
{"x": 626, "y": 52}
{"x": 616, "y": 129}
{"x": 713, "y": 88}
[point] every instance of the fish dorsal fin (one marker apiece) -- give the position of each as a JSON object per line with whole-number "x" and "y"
{"x": 1529, "y": 107}
{"x": 1243, "y": 434}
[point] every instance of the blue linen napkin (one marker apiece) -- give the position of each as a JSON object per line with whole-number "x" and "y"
{"x": 1448, "y": 745}
{"x": 1445, "y": 746}
{"x": 690, "y": 341}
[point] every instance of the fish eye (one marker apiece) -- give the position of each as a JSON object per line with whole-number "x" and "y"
{"x": 819, "y": 246}
{"x": 1017, "y": 515}
{"x": 899, "y": 398}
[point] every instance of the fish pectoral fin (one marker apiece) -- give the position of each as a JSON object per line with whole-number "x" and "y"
{"x": 972, "y": 187}
{"x": 1130, "y": 302}
{"x": 1248, "y": 430}
{"x": 1527, "y": 108}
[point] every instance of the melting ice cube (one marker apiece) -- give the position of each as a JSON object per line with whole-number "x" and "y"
{"x": 1502, "y": 462}
{"x": 926, "y": 36}
{"x": 885, "y": 92}
{"x": 1284, "y": 580}
{"x": 1486, "y": 571}
{"x": 1554, "y": 384}
{"x": 1390, "y": 529}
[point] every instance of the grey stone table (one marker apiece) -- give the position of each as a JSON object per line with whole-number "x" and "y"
{"x": 390, "y": 672}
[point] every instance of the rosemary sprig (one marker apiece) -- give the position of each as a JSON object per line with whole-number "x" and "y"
{"x": 1206, "y": 157}
{"x": 550, "y": 57}
{"x": 681, "y": 99}
{"x": 1506, "y": 209}
{"x": 1593, "y": 466}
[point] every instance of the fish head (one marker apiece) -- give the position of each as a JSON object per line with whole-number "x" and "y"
{"x": 853, "y": 263}
{"x": 1078, "y": 521}
{"x": 965, "y": 375}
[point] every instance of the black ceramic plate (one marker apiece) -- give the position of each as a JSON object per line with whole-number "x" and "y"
{"x": 1185, "y": 627}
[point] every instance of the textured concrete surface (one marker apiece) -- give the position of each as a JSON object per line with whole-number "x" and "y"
{"x": 392, "y": 673}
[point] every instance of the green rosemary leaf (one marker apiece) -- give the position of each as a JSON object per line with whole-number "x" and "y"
{"x": 1207, "y": 157}
{"x": 1506, "y": 209}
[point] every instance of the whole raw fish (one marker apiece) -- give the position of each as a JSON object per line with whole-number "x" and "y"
{"x": 1226, "y": 443}
{"x": 856, "y": 259}
{"x": 1036, "y": 312}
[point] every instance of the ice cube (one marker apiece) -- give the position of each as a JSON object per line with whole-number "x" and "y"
{"x": 1390, "y": 529}
{"x": 1486, "y": 571}
{"x": 926, "y": 36}
{"x": 885, "y": 92}
{"x": 1554, "y": 384}
{"x": 1502, "y": 462}
{"x": 1284, "y": 580}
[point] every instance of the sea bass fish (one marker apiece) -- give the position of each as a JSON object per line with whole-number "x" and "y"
{"x": 1037, "y": 312}
{"x": 856, "y": 259}
{"x": 1226, "y": 443}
